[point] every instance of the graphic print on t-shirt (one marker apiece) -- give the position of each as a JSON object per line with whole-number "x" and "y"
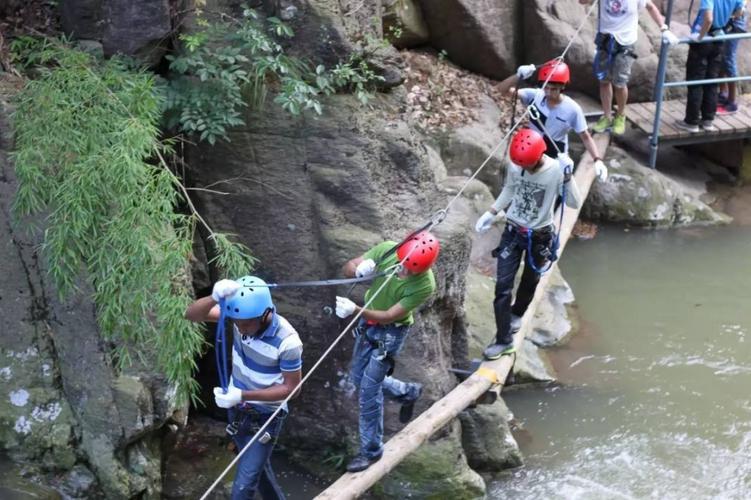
{"x": 616, "y": 8}
{"x": 529, "y": 198}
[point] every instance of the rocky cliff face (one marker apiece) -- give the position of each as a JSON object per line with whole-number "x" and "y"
{"x": 306, "y": 195}
{"x": 65, "y": 406}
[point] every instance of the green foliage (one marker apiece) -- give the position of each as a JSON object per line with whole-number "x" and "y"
{"x": 233, "y": 62}
{"x": 89, "y": 158}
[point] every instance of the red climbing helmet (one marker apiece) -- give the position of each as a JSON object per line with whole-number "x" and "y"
{"x": 557, "y": 70}
{"x": 422, "y": 249}
{"x": 527, "y": 147}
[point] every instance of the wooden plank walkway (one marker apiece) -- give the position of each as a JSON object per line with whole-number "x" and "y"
{"x": 735, "y": 126}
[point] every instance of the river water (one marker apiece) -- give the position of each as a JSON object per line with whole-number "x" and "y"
{"x": 654, "y": 393}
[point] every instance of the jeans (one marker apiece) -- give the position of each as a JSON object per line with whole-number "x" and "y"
{"x": 254, "y": 467}
{"x": 704, "y": 61}
{"x": 730, "y": 52}
{"x": 369, "y": 374}
{"x": 509, "y": 253}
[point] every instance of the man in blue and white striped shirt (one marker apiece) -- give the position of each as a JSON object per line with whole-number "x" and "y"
{"x": 266, "y": 368}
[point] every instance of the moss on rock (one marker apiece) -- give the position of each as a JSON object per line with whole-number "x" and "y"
{"x": 436, "y": 470}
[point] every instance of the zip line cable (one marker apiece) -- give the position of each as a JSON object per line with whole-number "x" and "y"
{"x": 437, "y": 218}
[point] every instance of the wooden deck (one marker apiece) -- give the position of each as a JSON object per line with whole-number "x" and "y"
{"x": 735, "y": 126}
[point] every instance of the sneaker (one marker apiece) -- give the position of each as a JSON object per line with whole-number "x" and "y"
{"x": 681, "y": 124}
{"x": 708, "y": 126}
{"x": 619, "y": 125}
{"x": 516, "y": 323}
{"x": 602, "y": 124}
{"x": 722, "y": 99}
{"x": 495, "y": 351}
{"x": 408, "y": 408}
{"x": 728, "y": 109}
{"x": 361, "y": 462}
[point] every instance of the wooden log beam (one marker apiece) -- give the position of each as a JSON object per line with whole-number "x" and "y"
{"x": 490, "y": 374}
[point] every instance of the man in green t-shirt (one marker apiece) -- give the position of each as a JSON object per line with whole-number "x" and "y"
{"x": 382, "y": 330}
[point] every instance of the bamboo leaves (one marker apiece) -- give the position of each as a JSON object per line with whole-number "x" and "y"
{"x": 87, "y": 137}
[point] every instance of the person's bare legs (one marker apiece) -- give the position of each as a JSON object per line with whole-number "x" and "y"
{"x": 621, "y": 98}
{"x": 606, "y": 98}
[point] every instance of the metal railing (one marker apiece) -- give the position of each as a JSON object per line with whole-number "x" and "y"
{"x": 661, "y": 85}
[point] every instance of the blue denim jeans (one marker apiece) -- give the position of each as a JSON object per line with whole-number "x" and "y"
{"x": 254, "y": 467}
{"x": 510, "y": 251}
{"x": 369, "y": 374}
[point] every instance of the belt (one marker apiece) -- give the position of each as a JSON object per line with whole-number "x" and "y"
{"x": 524, "y": 230}
{"x": 247, "y": 409}
{"x": 370, "y": 322}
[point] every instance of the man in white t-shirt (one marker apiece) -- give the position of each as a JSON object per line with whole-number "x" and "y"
{"x": 554, "y": 114}
{"x": 617, "y": 32}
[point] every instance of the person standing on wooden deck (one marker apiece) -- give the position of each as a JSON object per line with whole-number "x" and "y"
{"x": 551, "y": 111}
{"x": 533, "y": 183}
{"x": 382, "y": 330}
{"x": 617, "y": 33}
{"x": 705, "y": 62}
{"x": 727, "y": 98}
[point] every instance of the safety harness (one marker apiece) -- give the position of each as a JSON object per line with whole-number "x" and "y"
{"x": 534, "y": 115}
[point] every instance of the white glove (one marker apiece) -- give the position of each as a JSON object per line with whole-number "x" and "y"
{"x": 601, "y": 171}
{"x": 344, "y": 307}
{"x": 670, "y": 38}
{"x": 694, "y": 36}
{"x": 565, "y": 162}
{"x": 224, "y": 289}
{"x": 365, "y": 268}
{"x": 484, "y": 222}
{"x": 525, "y": 71}
{"x": 233, "y": 397}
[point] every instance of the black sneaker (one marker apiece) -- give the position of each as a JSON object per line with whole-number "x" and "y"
{"x": 408, "y": 408}
{"x": 361, "y": 462}
{"x": 495, "y": 351}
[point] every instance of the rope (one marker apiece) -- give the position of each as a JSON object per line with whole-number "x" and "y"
{"x": 220, "y": 349}
{"x": 437, "y": 218}
{"x": 348, "y": 281}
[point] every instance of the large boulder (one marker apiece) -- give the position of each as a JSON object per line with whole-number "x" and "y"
{"x": 479, "y": 142}
{"x": 330, "y": 32}
{"x": 552, "y": 322}
{"x": 480, "y": 36}
{"x": 438, "y": 469}
{"x": 549, "y": 26}
{"x": 138, "y": 28}
{"x": 639, "y": 195}
{"x": 487, "y": 439}
{"x": 403, "y": 23}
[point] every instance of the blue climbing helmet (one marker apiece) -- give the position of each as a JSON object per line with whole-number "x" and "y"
{"x": 250, "y": 301}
